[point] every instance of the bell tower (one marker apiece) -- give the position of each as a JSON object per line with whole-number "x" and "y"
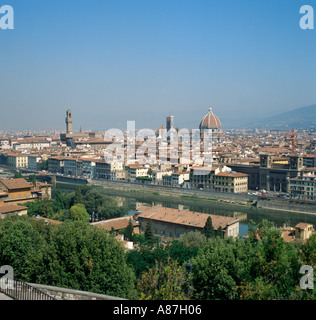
{"x": 69, "y": 121}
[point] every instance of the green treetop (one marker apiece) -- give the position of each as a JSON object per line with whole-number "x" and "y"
{"x": 208, "y": 229}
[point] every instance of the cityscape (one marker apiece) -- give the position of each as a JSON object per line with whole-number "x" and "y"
{"x": 273, "y": 162}
{"x": 153, "y": 160}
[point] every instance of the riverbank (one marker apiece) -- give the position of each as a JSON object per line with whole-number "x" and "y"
{"x": 242, "y": 200}
{"x": 245, "y": 213}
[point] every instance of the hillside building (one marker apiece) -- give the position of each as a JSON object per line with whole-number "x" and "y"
{"x": 171, "y": 223}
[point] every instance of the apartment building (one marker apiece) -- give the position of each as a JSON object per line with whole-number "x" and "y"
{"x": 232, "y": 182}
{"x": 303, "y": 187}
{"x": 109, "y": 170}
{"x": 203, "y": 176}
{"x": 56, "y": 164}
{"x": 134, "y": 171}
{"x": 34, "y": 162}
{"x": 175, "y": 179}
{"x": 15, "y": 160}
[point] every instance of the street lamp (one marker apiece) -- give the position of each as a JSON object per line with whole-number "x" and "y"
{"x": 188, "y": 267}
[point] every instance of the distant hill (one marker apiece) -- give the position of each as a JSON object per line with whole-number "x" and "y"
{"x": 300, "y": 118}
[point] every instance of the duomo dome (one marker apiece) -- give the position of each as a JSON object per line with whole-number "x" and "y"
{"x": 210, "y": 121}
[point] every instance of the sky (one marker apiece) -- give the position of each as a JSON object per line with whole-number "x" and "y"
{"x": 112, "y": 61}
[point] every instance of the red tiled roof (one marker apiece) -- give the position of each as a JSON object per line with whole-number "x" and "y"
{"x": 232, "y": 175}
{"x": 8, "y": 208}
{"x": 184, "y": 217}
{"x": 19, "y": 183}
{"x": 302, "y": 225}
{"x": 116, "y": 224}
{"x": 48, "y": 221}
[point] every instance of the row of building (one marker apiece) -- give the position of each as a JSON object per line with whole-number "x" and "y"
{"x": 280, "y": 174}
{"x": 15, "y": 192}
{"x": 241, "y": 160}
{"x": 167, "y": 223}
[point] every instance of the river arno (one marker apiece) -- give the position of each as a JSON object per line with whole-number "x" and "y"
{"x": 244, "y": 213}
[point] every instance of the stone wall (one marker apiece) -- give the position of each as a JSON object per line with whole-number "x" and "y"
{"x": 265, "y": 203}
{"x": 287, "y": 205}
{"x": 272, "y": 203}
{"x": 123, "y": 185}
{"x": 69, "y": 294}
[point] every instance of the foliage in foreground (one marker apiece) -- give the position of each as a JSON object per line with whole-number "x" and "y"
{"x": 77, "y": 255}
{"x": 260, "y": 267}
{"x": 73, "y": 255}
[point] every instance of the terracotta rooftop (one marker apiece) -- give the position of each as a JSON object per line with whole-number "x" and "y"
{"x": 48, "y": 221}
{"x": 8, "y": 208}
{"x": 288, "y": 234}
{"x": 302, "y": 225}
{"x": 116, "y": 224}
{"x": 184, "y": 217}
{"x": 231, "y": 174}
{"x": 12, "y": 184}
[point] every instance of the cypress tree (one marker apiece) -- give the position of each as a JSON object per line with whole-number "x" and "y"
{"x": 219, "y": 232}
{"x": 78, "y": 196}
{"x": 208, "y": 229}
{"x": 128, "y": 234}
{"x": 149, "y": 233}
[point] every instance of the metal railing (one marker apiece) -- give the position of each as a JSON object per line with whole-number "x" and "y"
{"x": 19, "y": 290}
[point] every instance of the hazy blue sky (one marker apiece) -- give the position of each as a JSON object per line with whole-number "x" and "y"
{"x": 118, "y": 60}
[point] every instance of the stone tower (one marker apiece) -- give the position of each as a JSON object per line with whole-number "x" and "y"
{"x": 170, "y": 122}
{"x": 68, "y": 121}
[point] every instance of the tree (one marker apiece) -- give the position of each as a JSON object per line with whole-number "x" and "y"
{"x": 78, "y": 212}
{"x": 139, "y": 239}
{"x": 178, "y": 251}
{"x": 59, "y": 200}
{"x": 88, "y": 258}
{"x": 72, "y": 255}
{"x": 219, "y": 232}
{"x": 33, "y": 207}
{"x": 208, "y": 229}
{"x": 46, "y": 206}
{"x": 129, "y": 231}
{"x": 150, "y": 172}
{"x": 94, "y": 201}
{"x": 165, "y": 281}
{"x": 18, "y": 174}
{"x": 149, "y": 233}
{"x": 193, "y": 239}
{"x": 309, "y": 251}
{"x": 22, "y": 247}
{"x": 43, "y": 164}
{"x": 110, "y": 212}
{"x": 275, "y": 262}
{"x": 32, "y": 179}
{"x": 78, "y": 198}
{"x": 218, "y": 269}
